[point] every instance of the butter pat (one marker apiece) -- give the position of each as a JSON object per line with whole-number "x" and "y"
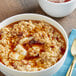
{"x": 20, "y": 50}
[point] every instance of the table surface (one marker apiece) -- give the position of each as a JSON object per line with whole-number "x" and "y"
{"x": 12, "y": 7}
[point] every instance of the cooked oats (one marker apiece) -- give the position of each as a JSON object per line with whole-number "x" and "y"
{"x": 30, "y": 45}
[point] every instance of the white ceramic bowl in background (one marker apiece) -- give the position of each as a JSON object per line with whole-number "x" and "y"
{"x": 57, "y": 9}
{"x": 47, "y": 72}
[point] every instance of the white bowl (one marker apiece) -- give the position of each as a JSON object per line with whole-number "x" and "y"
{"x": 47, "y": 72}
{"x": 57, "y": 9}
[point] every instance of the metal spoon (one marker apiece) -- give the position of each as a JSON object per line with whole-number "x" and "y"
{"x": 73, "y": 52}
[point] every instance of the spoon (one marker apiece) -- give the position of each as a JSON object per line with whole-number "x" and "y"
{"x": 73, "y": 52}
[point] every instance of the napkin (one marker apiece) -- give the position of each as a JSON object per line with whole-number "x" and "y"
{"x": 63, "y": 70}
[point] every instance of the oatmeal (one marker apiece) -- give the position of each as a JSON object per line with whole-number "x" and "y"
{"x": 30, "y": 45}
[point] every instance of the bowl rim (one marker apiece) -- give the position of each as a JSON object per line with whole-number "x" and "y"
{"x": 59, "y": 3}
{"x": 34, "y": 14}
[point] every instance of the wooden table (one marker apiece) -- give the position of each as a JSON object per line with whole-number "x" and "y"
{"x": 12, "y": 7}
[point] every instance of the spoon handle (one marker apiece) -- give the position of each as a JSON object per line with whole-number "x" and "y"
{"x": 69, "y": 73}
